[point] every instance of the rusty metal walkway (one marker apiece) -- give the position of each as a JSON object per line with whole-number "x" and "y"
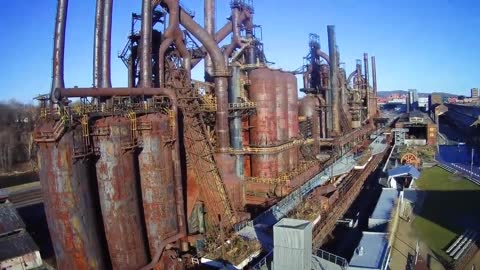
{"x": 200, "y": 156}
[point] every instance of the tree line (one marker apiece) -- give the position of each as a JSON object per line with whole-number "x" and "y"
{"x": 17, "y": 121}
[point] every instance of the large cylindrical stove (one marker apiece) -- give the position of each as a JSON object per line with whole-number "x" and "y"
{"x": 157, "y": 180}
{"x": 292, "y": 123}
{"x": 281, "y": 99}
{"x": 264, "y": 123}
{"x": 119, "y": 193}
{"x": 69, "y": 189}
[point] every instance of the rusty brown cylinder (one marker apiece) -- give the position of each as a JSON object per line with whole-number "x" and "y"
{"x": 119, "y": 199}
{"x": 309, "y": 108}
{"x": 292, "y": 118}
{"x": 68, "y": 187}
{"x": 281, "y": 99}
{"x": 157, "y": 182}
{"x": 264, "y": 124}
{"x": 265, "y": 166}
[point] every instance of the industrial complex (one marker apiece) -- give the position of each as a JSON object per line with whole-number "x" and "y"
{"x": 253, "y": 167}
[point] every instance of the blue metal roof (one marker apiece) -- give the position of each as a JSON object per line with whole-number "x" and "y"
{"x": 385, "y": 204}
{"x": 374, "y": 247}
{"x": 404, "y": 170}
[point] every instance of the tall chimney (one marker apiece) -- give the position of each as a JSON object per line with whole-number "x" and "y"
{"x": 97, "y": 46}
{"x": 335, "y": 126}
{"x": 209, "y": 20}
{"x": 59, "y": 48}
{"x": 367, "y": 91}
{"x": 146, "y": 45}
{"x": 374, "y": 75}
{"x": 106, "y": 81}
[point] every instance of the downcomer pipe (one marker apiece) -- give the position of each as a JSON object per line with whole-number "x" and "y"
{"x": 59, "y": 48}
{"x": 97, "y": 46}
{"x": 173, "y": 34}
{"x": 106, "y": 80}
{"x": 209, "y": 11}
{"x": 146, "y": 45}
{"x": 220, "y": 36}
{"x": 220, "y": 73}
{"x": 333, "y": 80}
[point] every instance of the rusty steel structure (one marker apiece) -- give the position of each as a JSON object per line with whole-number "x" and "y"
{"x": 142, "y": 176}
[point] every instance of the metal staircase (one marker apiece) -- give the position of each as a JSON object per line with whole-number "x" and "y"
{"x": 200, "y": 155}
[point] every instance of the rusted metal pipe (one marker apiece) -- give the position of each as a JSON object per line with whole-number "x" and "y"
{"x": 161, "y": 61}
{"x": 220, "y": 36}
{"x": 59, "y": 48}
{"x": 365, "y": 65}
{"x": 350, "y": 77}
{"x": 107, "y": 92}
{"x": 209, "y": 11}
{"x": 97, "y": 46}
{"x": 306, "y": 77}
{"x": 367, "y": 91}
{"x": 374, "y": 75}
{"x": 173, "y": 33}
{"x": 333, "y": 80}
{"x": 221, "y": 73}
{"x": 106, "y": 80}
{"x": 146, "y": 45}
{"x": 236, "y": 33}
{"x": 323, "y": 55}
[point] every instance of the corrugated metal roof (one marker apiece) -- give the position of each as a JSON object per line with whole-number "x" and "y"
{"x": 9, "y": 219}
{"x": 385, "y": 204}
{"x": 371, "y": 251}
{"x": 404, "y": 170}
{"x": 16, "y": 245}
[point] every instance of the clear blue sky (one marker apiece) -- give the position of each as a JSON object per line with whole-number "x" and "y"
{"x": 430, "y": 45}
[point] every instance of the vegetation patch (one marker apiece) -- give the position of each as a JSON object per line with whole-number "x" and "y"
{"x": 451, "y": 206}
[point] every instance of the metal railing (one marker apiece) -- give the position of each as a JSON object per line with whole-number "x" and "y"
{"x": 340, "y": 261}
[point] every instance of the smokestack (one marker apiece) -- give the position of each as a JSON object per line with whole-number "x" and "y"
{"x": 335, "y": 126}
{"x": 367, "y": 75}
{"x": 97, "y": 46}
{"x": 374, "y": 75}
{"x": 209, "y": 11}
{"x": 59, "y": 48}
{"x": 365, "y": 63}
{"x": 146, "y": 45}
{"x": 106, "y": 80}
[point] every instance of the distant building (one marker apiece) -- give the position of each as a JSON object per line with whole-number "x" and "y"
{"x": 413, "y": 95}
{"x": 474, "y": 93}
{"x": 423, "y": 104}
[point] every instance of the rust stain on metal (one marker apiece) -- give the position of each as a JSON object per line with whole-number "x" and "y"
{"x": 68, "y": 192}
{"x": 157, "y": 182}
{"x": 119, "y": 201}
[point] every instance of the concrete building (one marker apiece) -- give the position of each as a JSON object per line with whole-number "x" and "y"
{"x": 292, "y": 240}
{"x": 474, "y": 93}
{"x": 423, "y": 104}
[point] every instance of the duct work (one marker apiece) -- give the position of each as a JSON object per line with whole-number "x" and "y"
{"x": 167, "y": 169}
